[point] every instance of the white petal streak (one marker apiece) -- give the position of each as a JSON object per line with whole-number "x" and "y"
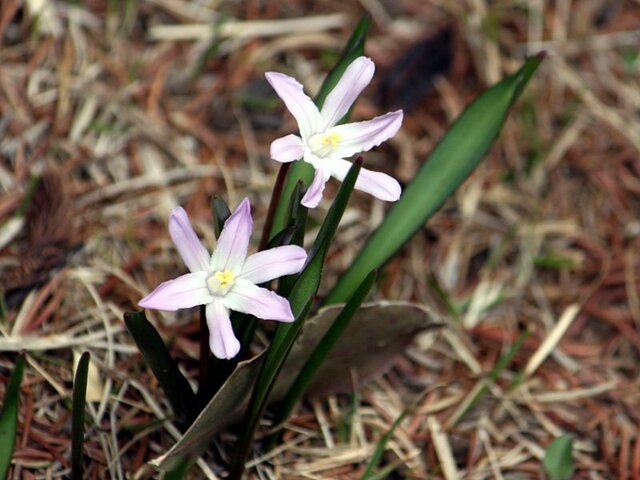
{"x": 355, "y": 78}
{"x": 222, "y": 341}
{"x": 183, "y": 292}
{"x": 233, "y": 243}
{"x": 274, "y": 263}
{"x": 378, "y": 184}
{"x": 362, "y": 136}
{"x": 246, "y": 297}
{"x": 287, "y": 149}
{"x": 313, "y": 195}
{"x": 193, "y": 253}
{"x": 300, "y": 105}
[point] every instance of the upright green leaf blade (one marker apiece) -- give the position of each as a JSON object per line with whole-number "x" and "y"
{"x": 77, "y": 415}
{"x": 301, "y": 170}
{"x": 9, "y": 417}
{"x": 220, "y": 214}
{"x": 452, "y": 160}
{"x": 300, "y": 299}
{"x": 307, "y": 283}
{"x": 175, "y": 385}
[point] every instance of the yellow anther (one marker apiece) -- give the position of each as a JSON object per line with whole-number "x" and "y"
{"x": 225, "y": 278}
{"x": 332, "y": 139}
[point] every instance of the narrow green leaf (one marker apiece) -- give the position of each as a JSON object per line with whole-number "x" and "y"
{"x": 369, "y": 473}
{"x": 302, "y": 171}
{"x": 558, "y": 459}
{"x": 300, "y": 299}
{"x": 451, "y": 161}
{"x": 175, "y": 385}
{"x": 77, "y": 415}
{"x": 9, "y": 417}
{"x": 259, "y": 396}
{"x": 307, "y": 283}
{"x": 179, "y": 472}
{"x": 297, "y": 219}
{"x": 319, "y": 354}
{"x": 220, "y": 214}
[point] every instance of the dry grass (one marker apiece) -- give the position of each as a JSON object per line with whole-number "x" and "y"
{"x": 128, "y": 111}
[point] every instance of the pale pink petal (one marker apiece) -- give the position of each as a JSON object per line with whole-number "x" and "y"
{"x": 300, "y": 105}
{"x": 287, "y": 149}
{"x": 378, "y": 184}
{"x": 185, "y": 291}
{"x": 246, "y": 297}
{"x": 194, "y": 255}
{"x": 313, "y": 195}
{"x": 362, "y": 136}
{"x": 233, "y": 243}
{"x": 222, "y": 341}
{"x": 274, "y": 263}
{"x": 355, "y": 78}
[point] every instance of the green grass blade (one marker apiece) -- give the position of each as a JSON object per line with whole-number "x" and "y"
{"x": 325, "y": 346}
{"x": 369, "y": 473}
{"x": 451, "y": 161}
{"x": 301, "y": 171}
{"x": 495, "y": 372}
{"x": 175, "y": 385}
{"x": 77, "y": 415}
{"x": 558, "y": 459}
{"x": 9, "y": 417}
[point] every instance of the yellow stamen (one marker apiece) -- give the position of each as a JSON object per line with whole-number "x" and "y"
{"x": 225, "y": 278}
{"x": 332, "y": 139}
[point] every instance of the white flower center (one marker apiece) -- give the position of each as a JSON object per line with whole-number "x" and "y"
{"x": 219, "y": 283}
{"x": 322, "y": 144}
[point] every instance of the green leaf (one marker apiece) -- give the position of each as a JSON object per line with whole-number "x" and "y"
{"x": 320, "y": 353}
{"x": 307, "y": 283}
{"x": 181, "y": 469}
{"x": 77, "y": 415}
{"x": 302, "y": 171}
{"x": 558, "y": 460}
{"x": 220, "y": 214}
{"x": 9, "y": 417}
{"x": 266, "y": 378}
{"x": 451, "y": 161}
{"x": 175, "y": 385}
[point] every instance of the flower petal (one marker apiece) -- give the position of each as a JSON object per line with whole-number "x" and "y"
{"x": 362, "y": 136}
{"x": 185, "y": 291}
{"x": 355, "y": 78}
{"x": 194, "y": 255}
{"x": 233, "y": 243}
{"x": 287, "y": 149}
{"x": 222, "y": 341}
{"x": 274, "y": 263}
{"x": 300, "y": 105}
{"x": 313, "y": 195}
{"x": 378, "y": 184}
{"x": 246, "y": 297}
